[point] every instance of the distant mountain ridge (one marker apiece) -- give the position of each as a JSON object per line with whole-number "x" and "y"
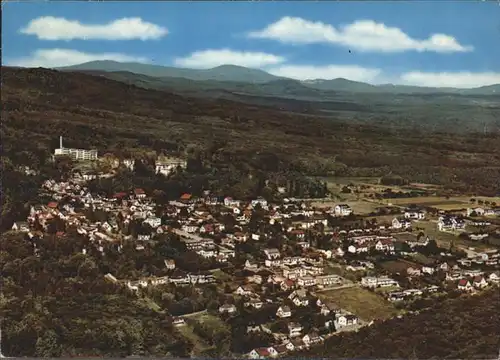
{"x": 219, "y": 73}
{"x": 227, "y": 75}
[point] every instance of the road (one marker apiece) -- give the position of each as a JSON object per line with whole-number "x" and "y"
{"x": 194, "y": 314}
{"x": 345, "y": 286}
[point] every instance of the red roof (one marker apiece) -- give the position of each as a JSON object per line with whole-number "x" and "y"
{"x": 138, "y": 191}
{"x": 60, "y": 233}
{"x": 463, "y": 282}
{"x": 186, "y": 196}
{"x": 262, "y": 351}
{"x": 52, "y": 204}
{"x": 119, "y": 195}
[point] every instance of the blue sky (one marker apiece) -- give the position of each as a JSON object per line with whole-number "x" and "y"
{"x": 432, "y": 43}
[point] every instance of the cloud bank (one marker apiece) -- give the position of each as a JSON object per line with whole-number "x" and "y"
{"x": 56, "y": 28}
{"x": 50, "y": 58}
{"x": 464, "y": 79}
{"x": 206, "y": 59}
{"x": 361, "y": 35}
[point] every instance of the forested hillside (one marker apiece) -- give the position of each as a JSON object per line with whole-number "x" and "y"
{"x": 38, "y": 105}
{"x": 460, "y": 328}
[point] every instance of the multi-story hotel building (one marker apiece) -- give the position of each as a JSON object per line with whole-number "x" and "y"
{"x": 75, "y": 154}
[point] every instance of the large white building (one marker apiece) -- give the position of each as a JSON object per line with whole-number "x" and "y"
{"x": 374, "y": 282}
{"x": 166, "y": 166}
{"x": 75, "y": 154}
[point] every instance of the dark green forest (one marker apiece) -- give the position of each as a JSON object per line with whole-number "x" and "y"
{"x": 461, "y": 328}
{"x": 59, "y": 304}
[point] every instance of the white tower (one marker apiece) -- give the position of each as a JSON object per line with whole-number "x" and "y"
{"x": 60, "y": 142}
{"x": 1, "y": 355}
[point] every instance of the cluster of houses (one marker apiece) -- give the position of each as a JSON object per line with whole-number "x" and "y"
{"x": 202, "y": 228}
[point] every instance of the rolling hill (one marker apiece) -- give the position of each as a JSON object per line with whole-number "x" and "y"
{"x": 219, "y": 73}
{"x": 227, "y": 74}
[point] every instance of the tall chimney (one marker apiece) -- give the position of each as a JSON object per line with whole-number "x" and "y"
{"x": 60, "y": 142}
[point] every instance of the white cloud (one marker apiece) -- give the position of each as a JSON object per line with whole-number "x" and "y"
{"x": 362, "y": 35}
{"x": 54, "y": 28}
{"x": 211, "y": 58}
{"x": 327, "y": 72}
{"x": 50, "y": 58}
{"x": 464, "y": 80}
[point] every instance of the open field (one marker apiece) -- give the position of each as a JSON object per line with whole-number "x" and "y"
{"x": 422, "y": 259}
{"x": 459, "y": 202}
{"x": 444, "y": 239}
{"x": 398, "y": 266}
{"x": 359, "y": 207}
{"x": 365, "y": 304}
{"x": 200, "y": 343}
{"x": 351, "y": 180}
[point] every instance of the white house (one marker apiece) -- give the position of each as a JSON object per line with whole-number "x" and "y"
{"x": 401, "y": 223}
{"x": 478, "y": 210}
{"x": 342, "y": 210}
{"x": 284, "y": 312}
{"x": 465, "y": 285}
{"x": 479, "y": 282}
{"x": 357, "y": 249}
{"x": 272, "y": 253}
{"x": 259, "y": 201}
{"x": 414, "y": 214}
{"x": 263, "y": 353}
{"x": 21, "y": 226}
{"x": 494, "y": 278}
{"x": 227, "y": 308}
{"x": 446, "y": 223}
{"x": 385, "y": 245}
{"x": 169, "y": 264}
{"x": 230, "y": 202}
{"x": 347, "y": 320}
{"x": 154, "y": 222}
{"x": 306, "y": 281}
{"x": 294, "y": 329}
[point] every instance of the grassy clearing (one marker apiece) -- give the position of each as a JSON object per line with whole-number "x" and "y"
{"x": 360, "y": 207}
{"x": 365, "y": 304}
{"x": 199, "y": 344}
{"x": 211, "y": 320}
{"x": 443, "y": 239}
{"x": 422, "y": 259}
{"x": 442, "y": 203}
{"x": 397, "y": 266}
{"x": 150, "y": 303}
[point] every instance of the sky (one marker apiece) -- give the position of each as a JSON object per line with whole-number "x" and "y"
{"x": 426, "y": 43}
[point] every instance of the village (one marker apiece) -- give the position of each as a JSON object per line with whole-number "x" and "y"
{"x": 315, "y": 269}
